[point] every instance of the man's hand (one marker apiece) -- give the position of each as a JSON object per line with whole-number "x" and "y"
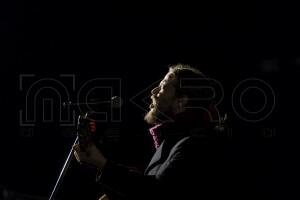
{"x": 91, "y": 156}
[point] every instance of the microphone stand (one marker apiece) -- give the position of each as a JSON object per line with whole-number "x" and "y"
{"x": 78, "y": 140}
{"x": 63, "y": 171}
{"x": 67, "y": 162}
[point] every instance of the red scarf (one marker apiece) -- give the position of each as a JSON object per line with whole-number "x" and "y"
{"x": 203, "y": 119}
{"x": 156, "y": 135}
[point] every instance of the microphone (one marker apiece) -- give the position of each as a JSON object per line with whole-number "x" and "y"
{"x": 114, "y": 102}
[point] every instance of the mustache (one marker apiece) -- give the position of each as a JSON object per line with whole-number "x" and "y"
{"x": 154, "y": 100}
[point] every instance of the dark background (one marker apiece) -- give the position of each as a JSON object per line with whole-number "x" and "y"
{"x": 135, "y": 42}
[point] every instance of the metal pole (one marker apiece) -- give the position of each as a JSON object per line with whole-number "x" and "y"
{"x": 63, "y": 172}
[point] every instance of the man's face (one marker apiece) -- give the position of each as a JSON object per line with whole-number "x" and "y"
{"x": 163, "y": 100}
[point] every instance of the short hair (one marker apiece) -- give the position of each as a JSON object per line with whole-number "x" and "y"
{"x": 187, "y": 74}
{"x": 192, "y": 83}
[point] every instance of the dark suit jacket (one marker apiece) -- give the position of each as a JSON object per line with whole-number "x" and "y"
{"x": 191, "y": 163}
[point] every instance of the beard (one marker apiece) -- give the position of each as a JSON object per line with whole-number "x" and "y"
{"x": 156, "y": 114}
{"x": 151, "y": 117}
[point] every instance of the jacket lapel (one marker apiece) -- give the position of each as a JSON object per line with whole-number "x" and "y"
{"x": 158, "y": 155}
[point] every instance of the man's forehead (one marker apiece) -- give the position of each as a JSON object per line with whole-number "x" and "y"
{"x": 169, "y": 76}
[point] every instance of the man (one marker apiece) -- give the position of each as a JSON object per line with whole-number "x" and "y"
{"x": 187, "y": 164}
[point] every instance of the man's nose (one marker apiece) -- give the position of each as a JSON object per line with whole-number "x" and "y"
{"x": 155, "y": 90}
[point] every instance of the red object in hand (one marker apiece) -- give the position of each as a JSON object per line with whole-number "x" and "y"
{"x": 92, "y": 125}
{"x": 86, "y": 127}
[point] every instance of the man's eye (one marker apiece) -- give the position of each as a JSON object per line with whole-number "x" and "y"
{"x": 164, "y": 86}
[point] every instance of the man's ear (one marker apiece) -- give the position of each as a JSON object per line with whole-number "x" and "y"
{"x": 182, "y": 101}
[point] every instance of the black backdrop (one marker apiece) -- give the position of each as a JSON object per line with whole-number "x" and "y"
{"x": 134, "y": 43}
